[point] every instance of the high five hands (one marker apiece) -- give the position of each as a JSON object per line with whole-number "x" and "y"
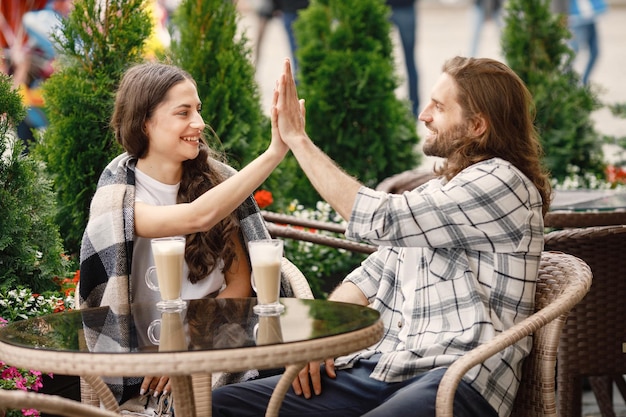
{"x": 288, "y": 112}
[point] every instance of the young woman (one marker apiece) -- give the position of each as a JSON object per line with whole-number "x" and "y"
{"x": 168, "y": 183}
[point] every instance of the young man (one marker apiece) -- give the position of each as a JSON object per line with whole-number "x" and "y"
{"x": 457, "y": 259}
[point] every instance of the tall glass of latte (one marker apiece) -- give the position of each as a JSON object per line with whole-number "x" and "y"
{"x": 265, "y": 257}
{"x": 169, "y": 256}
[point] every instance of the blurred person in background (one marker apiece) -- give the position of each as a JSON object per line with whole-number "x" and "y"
{"x": 403, "y": 15}
{"x": 290, "y": 10}
{"x": 265, "y": 10}
{"x": 26, "y": 35}
{"x": 583, "y": 15}
{"x": 43, "y": 25}
{"x": 13, "y": 38}
{"x": 483, "y": 11}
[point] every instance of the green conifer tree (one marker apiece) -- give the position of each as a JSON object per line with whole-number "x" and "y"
{"x": 534, "y": 44}
{"x": 30, "y": 244}
{"x": 347, "y": 77}
{"x": 100, "y": 41}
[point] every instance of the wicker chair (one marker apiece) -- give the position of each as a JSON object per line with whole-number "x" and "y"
{"x": 95, "y": 392}
{"x": 591, "y": 342}
{"x": 52, "y": 404}
{"x": 562, "y": 282}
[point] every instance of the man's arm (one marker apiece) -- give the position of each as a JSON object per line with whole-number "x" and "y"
{"x": 334, "y": 185}
{"x": 348, "y": 293}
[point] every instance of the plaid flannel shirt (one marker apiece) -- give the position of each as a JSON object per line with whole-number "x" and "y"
{"x": 457, "y": 264}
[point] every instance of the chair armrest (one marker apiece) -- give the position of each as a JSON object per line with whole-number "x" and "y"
{"x": 53, "y": 404}
{"x": 551, "y": 312}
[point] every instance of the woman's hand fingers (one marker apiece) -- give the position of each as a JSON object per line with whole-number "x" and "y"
{"x": 155, "y": 384}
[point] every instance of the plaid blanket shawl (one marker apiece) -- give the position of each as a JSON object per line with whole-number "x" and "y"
{"x": 106, "y": 255}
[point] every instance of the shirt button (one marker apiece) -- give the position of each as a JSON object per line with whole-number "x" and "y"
{"x": 400, "y": 323}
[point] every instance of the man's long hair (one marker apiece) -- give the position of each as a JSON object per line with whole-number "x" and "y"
{"x": 490, "y": 89}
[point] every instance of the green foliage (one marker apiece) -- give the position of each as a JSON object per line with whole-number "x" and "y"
{"x": 20, "y": 303}
{"x": 209, "y": 48}
{"x": 323, "y": 266}
{"x": 618, "y": 109}
{"x": 30, "y": 244}
{"x": 11, "y": 109}
{"x": 100, "y": 40}
{"x": 347, "y": 77}
{"x": 534, "y": 43}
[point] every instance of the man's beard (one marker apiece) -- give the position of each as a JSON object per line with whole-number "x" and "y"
{"x": 445, "y": 142}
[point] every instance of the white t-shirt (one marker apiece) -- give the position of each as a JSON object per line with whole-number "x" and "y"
{"x": 150, "y": 191}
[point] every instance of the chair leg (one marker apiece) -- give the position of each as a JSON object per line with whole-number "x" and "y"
{"x": 569, "y": 396}
{"x": 602, "y": 387}
{"x": 621, "y": 385}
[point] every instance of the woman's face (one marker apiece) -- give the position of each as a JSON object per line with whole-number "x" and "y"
{"x": 176, "y": 124}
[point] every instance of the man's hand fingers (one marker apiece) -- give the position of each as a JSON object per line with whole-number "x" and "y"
{"x": 330, "y": 368}
{"x": 314, "y": 374}
{"x": 305, "y": 384}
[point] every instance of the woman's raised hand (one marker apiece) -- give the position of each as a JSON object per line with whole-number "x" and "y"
{"x": 290, "y": 109}
{"x": 277, "y": 142}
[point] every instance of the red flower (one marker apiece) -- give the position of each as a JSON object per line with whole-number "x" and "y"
{"x": 263, "y": 198}
{"x": 615, "y": 174}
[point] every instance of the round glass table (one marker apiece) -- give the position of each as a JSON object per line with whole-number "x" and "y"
{"x": 209, "y": 335}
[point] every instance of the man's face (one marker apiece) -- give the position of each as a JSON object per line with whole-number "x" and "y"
{"x": 443, "y": 117}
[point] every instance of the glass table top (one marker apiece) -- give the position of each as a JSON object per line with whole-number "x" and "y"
{"x": 206, "y": 324}
{"x": 588, "y": 200}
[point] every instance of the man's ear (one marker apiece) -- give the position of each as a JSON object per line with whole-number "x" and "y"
{"x": 478, "y": 125}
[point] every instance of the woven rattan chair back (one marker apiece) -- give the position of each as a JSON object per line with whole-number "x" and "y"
{"x": 563, "y": 280}
{"x": 591, "y": 341}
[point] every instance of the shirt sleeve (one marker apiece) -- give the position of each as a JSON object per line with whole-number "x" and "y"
{"x": 489, "y": 206}
{"x": 376, "y": 270}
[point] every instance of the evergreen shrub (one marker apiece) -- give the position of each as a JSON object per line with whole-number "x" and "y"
{"x": 31, "y": 251}
{"x": 534, "y": 43}
{"x": 100, "y": 40}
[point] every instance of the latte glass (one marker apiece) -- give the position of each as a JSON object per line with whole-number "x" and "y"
{"x": 266, "y": 256}
{"x": 169, "y": 256}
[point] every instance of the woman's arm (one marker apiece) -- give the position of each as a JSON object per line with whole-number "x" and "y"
{"x": 210, "y": 208}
